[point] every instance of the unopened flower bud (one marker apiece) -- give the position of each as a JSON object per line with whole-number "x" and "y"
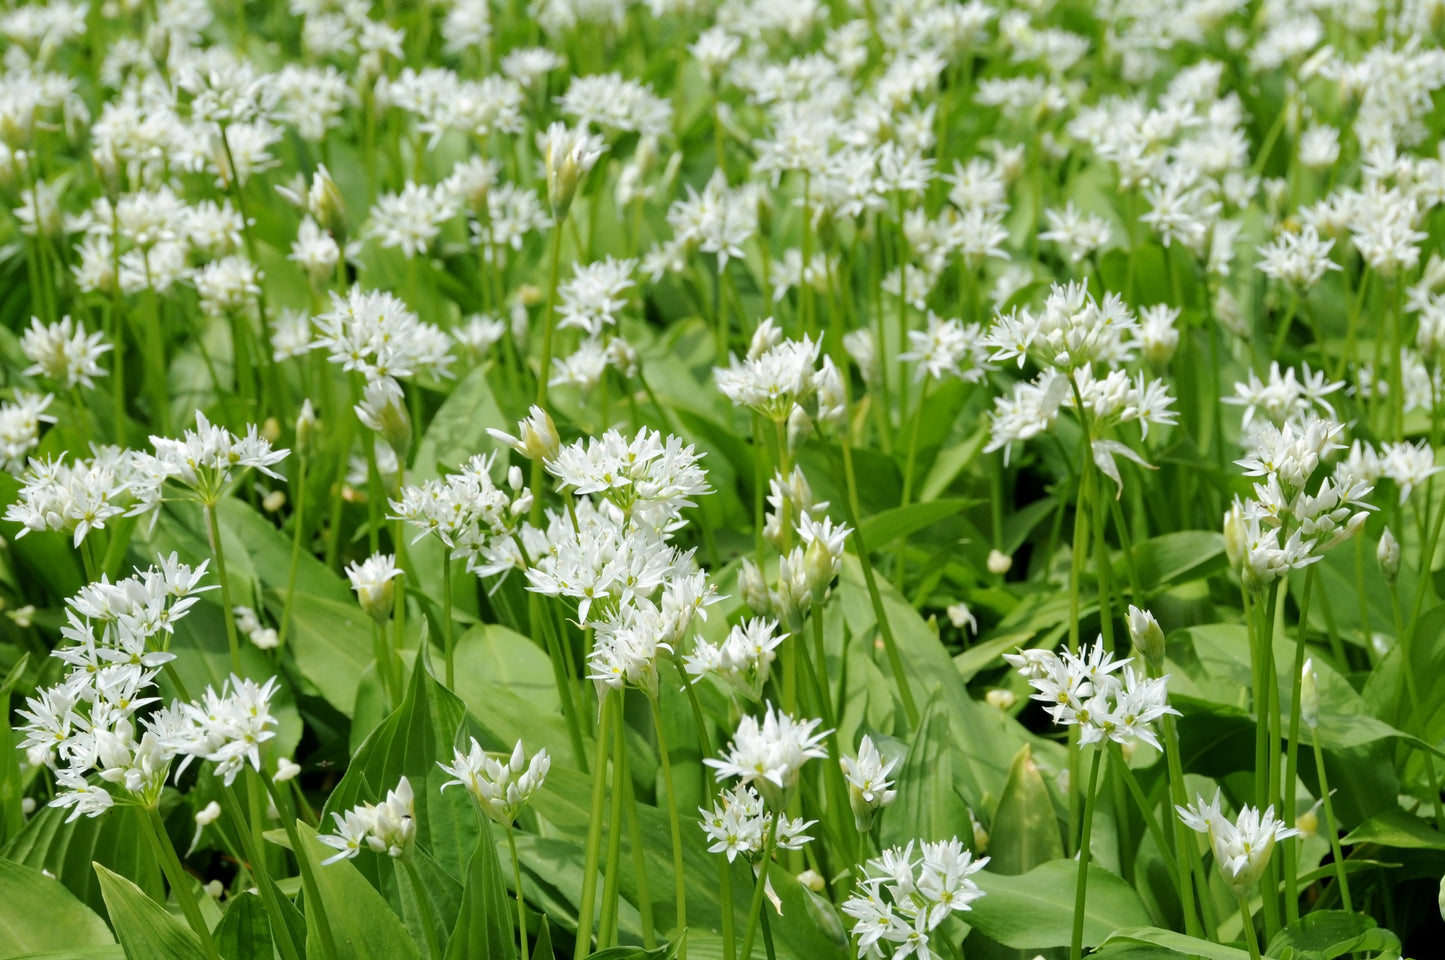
{"x": 1307, "y": 823}
{"x": 271, "y": 429}
{"x": 1388, "y": 555}
{"x": 980, "y": 836}
{"x": 999, "y": 563}
{"x": 1000, "y": 698}
{"x": 1309, "y": 696}
{"x": 286, "y": 769}
{"x": 1147, "y": 637}
{"x": 306, "y": 424}
{"x": 813, "y": 880}
{"x": 754, "y": 588}
{"x": 372, "y": 582}
{"x": 962, "y": 618}
{"x": 536, "y": 436}
{"x": 273, "y": 501}
{"x": 1234, "y": 538}
{"x": 567, "y": 155}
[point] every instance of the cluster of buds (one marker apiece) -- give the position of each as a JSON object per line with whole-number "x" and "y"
{"x": 501, "y": 787}
{"x": 388, "y": 827}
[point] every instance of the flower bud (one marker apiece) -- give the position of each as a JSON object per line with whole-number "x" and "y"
{"x": 754, "y": 588}
{"x": 1000, "y": 698}
{"x": 537, "y": 436}
{"x": 372, "y": 582}
{"x": 383, "y": 409}
{"x": 325, "y": 204}
{"x": 273, "y": 501}
{"x": 1234, "y": 537}
{"x": 813, "y": 880}
{"x": 567, "y": 155}
{"x": 999, "y": 563}
{"x": 1388, "y": 555}
{"x": 1309, "y": 696}
{"x": 306, "y": 424}
{"x": 1147, "y": 637}
{"x": 1307, "y": 823}
{"x": 980, "y": 836}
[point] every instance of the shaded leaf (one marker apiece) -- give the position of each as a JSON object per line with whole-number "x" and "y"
{"x": 145, "y": 929}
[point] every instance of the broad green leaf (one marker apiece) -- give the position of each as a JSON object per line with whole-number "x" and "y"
{"x": 421, "y": 732}
{"x": 1035, "y": 910}
{"x": 363, "y": 925}
{"x": 244, "y": 932}
{"x": 484, "y": 929}
{"x": 458, "y": 431}
{"x": 37, "y": 914}
{"x": 331, "y": 642}
{"x": 949, "y": 463}
{"x": 926, "y": 804}
{"x": 1396, "y": 828}
{"x": 666, "y": 952}
{"x": 1152, "y": 943}
{"x": 1327, "y": 934}
{"x": 145, "y": 929}
{"x": 883, "y": 528}
{"x": 67, "y": 850}
{"x": 1175, "y": 557}
{"x": 1025, "y": 832}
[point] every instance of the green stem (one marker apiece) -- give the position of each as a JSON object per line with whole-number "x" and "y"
{"x": 679, "y": 877}
{"x": 423, "y": 904}
{"x": 308, "y": 874}
{"x": 170, "y": 864}
{"x": 521, "y": 901}
{"x": 612, "y": 876}
{"x": 755, "y": 907}
{"x": 639, "y": 867}
{"x": 1251, "y": 938}
{"x": 298, "y": 523}
{"x": 1076, "y": 943}
{"x": 1291, "y": 781}
{"x": 1331, "y": 825}
{"x": 227, "y": 611}
{"x": 588, "y": 907}
{"x": 447, "y": 613}
{"x": 1146, "y": 811}
{"x": 895, "y": 660}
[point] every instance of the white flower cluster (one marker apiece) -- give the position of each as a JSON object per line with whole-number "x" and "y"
{"x": 84, "y": 495}
{"x": 1067, "y": 338}
{"x": 1242, "y": 848}
{"x": 472, "y": 517}
{"x": 20, "y": 422}
{"x": 1086, "y": 691}
{"x": 208, "y": 460}
{"x": 869, "y": 789}
{"x": 902, "y": 898}
{"x": 1284, "y": 526}
{"x": 501, "y": 787}
{"x": 807, "y": 568}
{"x": 738, "y": 823}
{"x": 114, "y": 649}
{"x": 375, "y": 333}
{"x": 742, "y": 660}
{"x": 770, "y": 754}
{"x": 63, "y": 353}
{"x": 388, "y": 827}
{"x": 782, "y": 379}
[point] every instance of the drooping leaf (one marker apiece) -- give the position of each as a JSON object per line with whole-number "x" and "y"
{"x": 145, "y": 929}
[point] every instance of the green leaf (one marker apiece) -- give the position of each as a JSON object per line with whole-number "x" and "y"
{"x": 1396, "y": 828}
{"x": 484, "y": 929}
{"x": 362, "y": 922}
{"x": 1176, "y": 557}
{"x": 38, "y": 914}
{"x": 666, "y": 952}
{"x": 949, "y": 464}
{"x": 459, "y": 429}
{"x": 1025, "y": 830}
{"x": 145, "y": 929}
{"x": 1327, "y": 934}
{"x": 926, "y": 804}
{"x": 1035, "y": 910}
{"x": 244, "y": 932}
{"x": 1152, "y": 943}
{"x": 67, "y": 850}
{"x": 331, "y": 643}
{"x": 883, "y": 528}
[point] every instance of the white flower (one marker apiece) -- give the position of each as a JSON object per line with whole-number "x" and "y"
{"x": 372, "y": 581}
{"x": 1241, "y": 849}
{"x": 868, "y": 783}
{"x": 502, "y": 788}
{"x": 770, "y": 754}
{"x": 63, "y": 352}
